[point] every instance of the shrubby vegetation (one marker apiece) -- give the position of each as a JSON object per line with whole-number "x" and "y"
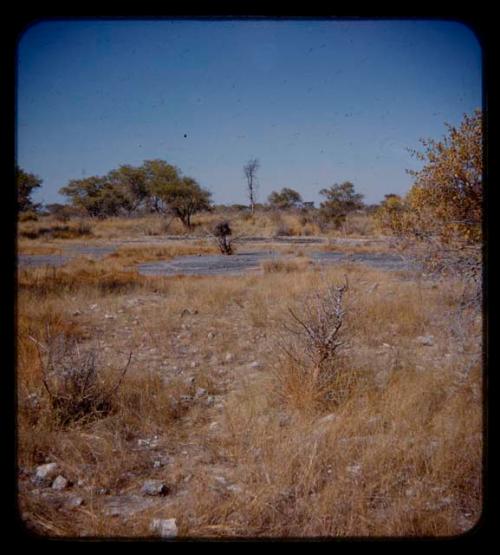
{"x": 154, "y": 187}
{"x": 26, "y": 183}
{"x": 440, "y": 219}
{"x": 339, "y": 201}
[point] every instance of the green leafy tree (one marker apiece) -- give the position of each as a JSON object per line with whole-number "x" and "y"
{"x": 98, "y": 196}
{"x": 159, "y": 175}
{"x": 131, "y": 182}
{"x": 339, "y": 201}
{"x": 26, "y": 183}
{"x": 183, "y": 197}
{"x": 285, "y": 199}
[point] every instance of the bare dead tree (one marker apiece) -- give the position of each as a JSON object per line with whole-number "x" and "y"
{"x": 250, "y": 172}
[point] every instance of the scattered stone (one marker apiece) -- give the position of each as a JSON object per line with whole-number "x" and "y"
{"x": 234, "y": 488}
{"x": 328, "y": 418}
{"x": 76, "y": 312}
{"x": 161, "y": 461}
{"x": 426, "y": 340}
{"x": 213, "y": 425}
{"x": 45, "y": 474}
{"x": 126, "y": 505}
{"x": 210, "y": 335}
{"x": 165, "y": 528}
{"x": 59, "y": 483}
{"x": 102, "y": 491}
{"x": 149, "y": 443}
{"x": 194, "y": 364}
{"x": 210, "y": 400}
{"x": 386, "y": 345}
{"x": 256, "y": 364}
{"x": 33, "y": 401}
{"x": 354, "y": 469}
{"x": 200, "y": 392}
{"x": 109, "y": 316}
{"x": 154, "y": 487}
{"x": 93, "y": 306}
{"x": 229, "y": 357}
{"x": 74, "y": 502}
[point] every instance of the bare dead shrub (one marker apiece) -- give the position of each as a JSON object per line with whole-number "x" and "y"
{"x": 310, "y": 342}
{"x": 71, "y": 378}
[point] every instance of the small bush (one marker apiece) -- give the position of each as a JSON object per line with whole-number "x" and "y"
{"x": 81, "y": 229}
{"x": 222, "y": 231}
{"x": 280, "y": 265}
{"x": 312, "y": 372}
{"x": 71, "y": 379}
{"x": 28, "y": 216}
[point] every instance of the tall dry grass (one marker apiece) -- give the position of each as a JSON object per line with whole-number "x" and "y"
{"x": 392, "y": 446}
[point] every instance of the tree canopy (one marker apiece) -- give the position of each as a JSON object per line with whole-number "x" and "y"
{"x": 26, "y": 183}
{"x": 155, "y": 186}
{"x": 285, "y": 199}
{"x": 447, "y": 195}
{"x": 340, "y": 200}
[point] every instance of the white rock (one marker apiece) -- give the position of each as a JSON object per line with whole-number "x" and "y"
{"x": 256, "y": 364}
{"x": 74, "y": 502}
{"x": 154, "y": 487}
{"x": 165, "y": 528}
{"x": 234, "y": 488}
{"x": 328, "y": 418}
{"x": 200, "y": 392}
{"x": 354, "y": 469}
{"x": 59, "y": 483}
{"x": 45, "y": 474}
{"x": 229, "y": 357}
{"x": 210, "y": 335}
{"x": 93, "y": 306}
{"x": 426, "y": 340}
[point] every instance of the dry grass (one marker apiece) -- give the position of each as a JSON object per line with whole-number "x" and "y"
{"x": 261, "y": 224}
{"x": 399, "y": 453}
{"x": 286, "y": 265}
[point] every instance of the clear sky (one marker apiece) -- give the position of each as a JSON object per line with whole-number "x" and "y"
{"x": 318, "y": 102}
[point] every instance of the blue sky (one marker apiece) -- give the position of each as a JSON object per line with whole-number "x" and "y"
{"x": 316, "y": 101}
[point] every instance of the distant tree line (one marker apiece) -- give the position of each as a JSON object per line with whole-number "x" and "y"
{"x": 444, "y": 203}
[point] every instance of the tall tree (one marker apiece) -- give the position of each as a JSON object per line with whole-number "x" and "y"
{"x": 340, "y": 200}
{"x": 132, "y": 184}
{"x": 158, "y": 175}
{"x": 285, "y": 199}
{"x": 183, "y": 197}
{"x": 26, "y": 183}
{"x": 98, "y": 196}
{"x": 250, "y": 173}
